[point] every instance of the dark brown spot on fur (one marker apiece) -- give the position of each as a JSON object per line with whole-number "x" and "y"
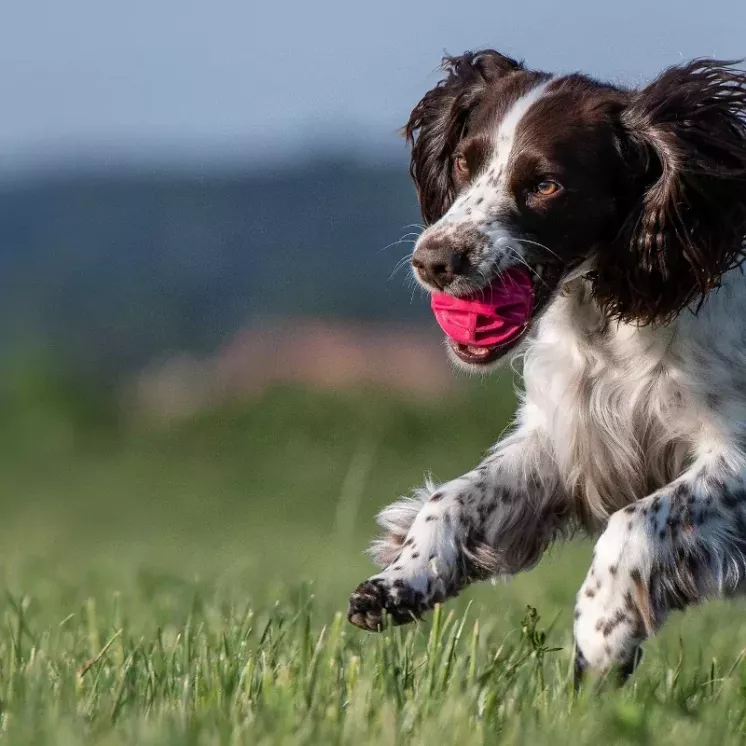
{"x": 618, "y": 618}
{"x": 641, "y": 596}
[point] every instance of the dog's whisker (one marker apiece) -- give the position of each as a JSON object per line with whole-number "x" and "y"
{"x": 527, "y": 265}
{"x": 400, "y": 265}
{"x": 540, "y": 245}
{"x": 403, "y": 239}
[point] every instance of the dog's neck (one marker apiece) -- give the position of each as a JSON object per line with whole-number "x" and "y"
{"x": 576, "y": 305}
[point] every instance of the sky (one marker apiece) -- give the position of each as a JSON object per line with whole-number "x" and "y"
{"x": 228, "y": 81}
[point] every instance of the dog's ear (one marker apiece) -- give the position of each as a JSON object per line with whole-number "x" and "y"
{"x": 440, "y": 120}
{"x": 686, "y": 153}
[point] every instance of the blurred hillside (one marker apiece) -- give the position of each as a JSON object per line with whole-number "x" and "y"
{"x": 323, "y": 354}
{"x": 112, "y": 270}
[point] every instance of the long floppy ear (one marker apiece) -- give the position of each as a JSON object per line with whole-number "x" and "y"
{"x": 439, "y": 121}
{"x": 687, "y": 149}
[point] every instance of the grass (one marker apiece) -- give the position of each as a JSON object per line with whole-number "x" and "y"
{"x": 188, "y": 585}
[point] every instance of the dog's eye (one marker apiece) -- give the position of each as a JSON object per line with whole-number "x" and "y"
{"x": 547, "y": 188}
{"x": 460, "y": 165}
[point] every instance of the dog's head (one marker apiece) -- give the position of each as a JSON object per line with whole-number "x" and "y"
{"x": 643, "y": 191}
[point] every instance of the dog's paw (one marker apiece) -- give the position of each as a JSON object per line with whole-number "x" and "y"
{"x": 379, "y": 597}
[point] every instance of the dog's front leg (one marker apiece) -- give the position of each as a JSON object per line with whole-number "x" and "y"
{"x": 495, "y": 520}
{"x": 682, "y": 544}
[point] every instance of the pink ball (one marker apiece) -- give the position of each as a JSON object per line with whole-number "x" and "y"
{"x": 492, "y": 317}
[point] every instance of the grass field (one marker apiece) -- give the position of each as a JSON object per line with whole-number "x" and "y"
{"x": 188, "y": 585}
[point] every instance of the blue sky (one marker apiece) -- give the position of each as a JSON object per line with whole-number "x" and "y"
{"x": 250, "y": 80}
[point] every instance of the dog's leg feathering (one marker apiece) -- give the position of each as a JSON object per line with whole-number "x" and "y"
{"x": 495, "y": 520}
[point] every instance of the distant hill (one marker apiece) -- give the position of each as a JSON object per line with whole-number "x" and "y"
{"x": 329, "y": 354}
{"x": 115, "y": 269}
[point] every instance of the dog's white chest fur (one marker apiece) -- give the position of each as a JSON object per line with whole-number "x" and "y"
{"x": 612, "y": 400}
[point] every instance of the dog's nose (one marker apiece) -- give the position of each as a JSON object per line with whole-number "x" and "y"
{"x": 436, "y": 261}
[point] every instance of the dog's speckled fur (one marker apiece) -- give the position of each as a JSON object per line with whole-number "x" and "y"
{"x": 633, "y": 420}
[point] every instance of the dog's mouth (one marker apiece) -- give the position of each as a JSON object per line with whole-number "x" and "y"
{"x": 477, "y": 356}
{"x": 482, "y": 327}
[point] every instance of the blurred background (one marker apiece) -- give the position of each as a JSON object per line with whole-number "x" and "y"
{"x": 208, "y": 359}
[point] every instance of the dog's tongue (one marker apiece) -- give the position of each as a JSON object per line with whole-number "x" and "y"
{"x": 493, "y": 317}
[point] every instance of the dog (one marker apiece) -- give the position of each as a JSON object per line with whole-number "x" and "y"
{"x": 627, "y": 207}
